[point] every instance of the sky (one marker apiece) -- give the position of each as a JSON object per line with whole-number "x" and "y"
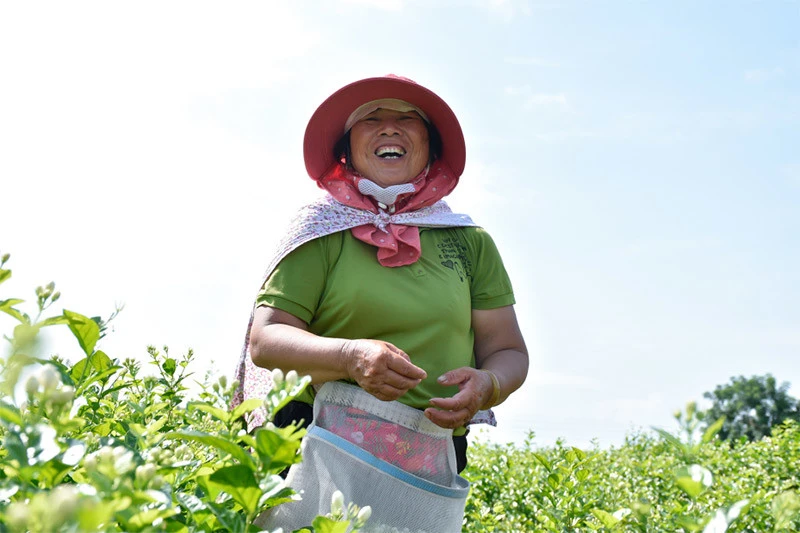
{"x": 636, "y": 162}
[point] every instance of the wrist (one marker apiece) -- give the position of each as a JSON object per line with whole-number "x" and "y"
{"x": 495, "y": 395}
{"x": 346, "y": 352}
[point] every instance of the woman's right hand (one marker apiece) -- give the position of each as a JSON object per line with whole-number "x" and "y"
{"x": 380, "y": 368}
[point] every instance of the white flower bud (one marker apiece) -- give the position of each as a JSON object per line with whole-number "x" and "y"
{"x": 63, "y": 396}
{"x": 123, "y": 462}
{"x": 223, "y": 382}
{"x": 291, "y": 379}
{"x": 363, "y": 516}
{"x": 90, "y": 463}
{"x": 337, "y": 503}
{"x": 32, "y": 386}
{"x": 183, "y": 453}
{"x": 49, "y": 378}
{"x": 145, "y": 473}
{"x": 105, "y": 454}
{"x": 277, "y": 377}
{"x": 64, "y": 501}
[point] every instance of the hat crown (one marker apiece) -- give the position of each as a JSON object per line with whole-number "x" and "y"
{"x": 326, "y": 125}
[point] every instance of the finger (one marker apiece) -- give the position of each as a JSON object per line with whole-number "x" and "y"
{"x": 399, "y": 381}
{"x": 398, "y": 351}
{"x": 455, "y": 377}
{"x": 448, "y": 419}
{"x": 407, "y": 368}
{"x": 449, "y": 404}
{"x": 387, "y": 393}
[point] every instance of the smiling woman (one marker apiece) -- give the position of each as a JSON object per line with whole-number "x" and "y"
{"x": 391, "y": 146}
{"x": 405, "y": 349}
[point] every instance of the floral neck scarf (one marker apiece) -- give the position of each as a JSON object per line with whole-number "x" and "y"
{"x": 398, "y": 245}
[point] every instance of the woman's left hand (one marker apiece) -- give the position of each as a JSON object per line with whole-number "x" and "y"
{"x": 474, "y": 390}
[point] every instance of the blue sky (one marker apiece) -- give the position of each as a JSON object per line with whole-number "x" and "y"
{"x": 635, "y": 161}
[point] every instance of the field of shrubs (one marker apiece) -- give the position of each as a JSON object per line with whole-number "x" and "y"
{"x": 106, "y": 445}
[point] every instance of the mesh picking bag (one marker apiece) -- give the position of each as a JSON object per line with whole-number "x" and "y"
{"x": 383, "y": 454}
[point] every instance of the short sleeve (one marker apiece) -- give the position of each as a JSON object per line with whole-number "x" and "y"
{"x": 297, "y": 283}
{"x": 490, "y": 285}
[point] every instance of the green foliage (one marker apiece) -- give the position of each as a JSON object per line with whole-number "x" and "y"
{"x": 751, "y": 407}
{"x": 98, "y": 446}
{"x": 650, "y": 484}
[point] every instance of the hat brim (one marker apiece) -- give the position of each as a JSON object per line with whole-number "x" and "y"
{"x": 326, "y": 125}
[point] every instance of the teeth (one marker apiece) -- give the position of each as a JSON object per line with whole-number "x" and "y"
{"x": 390, "y": 151}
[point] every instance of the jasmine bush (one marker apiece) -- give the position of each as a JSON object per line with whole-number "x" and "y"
{"x": 101, "y": 445}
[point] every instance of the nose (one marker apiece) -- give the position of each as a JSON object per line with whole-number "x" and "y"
{"x": 389, "y": 126}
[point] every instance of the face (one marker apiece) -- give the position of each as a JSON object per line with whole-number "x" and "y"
{"x": 389, "y": 147}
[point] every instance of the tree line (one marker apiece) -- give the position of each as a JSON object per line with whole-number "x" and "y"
{"x": 751, "y": 407}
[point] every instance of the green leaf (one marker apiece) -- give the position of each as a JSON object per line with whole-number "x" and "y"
{"x": 693, "y": 480}
{"x": 581, "y": 455}
{"x": 712, "y": 430}
{"x": 323, "y": 524}
{"x": 15, "y": 449}
{"x": 54, "y": 321}
{"x": 277, "y": 448}
{"x": 6, "y": 306}
{"x": 169, "y": 366}
{"x": 4, "y": 274}
{"x": 216, "y": 412}
{"x": 672, "y": 441}
{"x": 543, "y": 460}
{"x": 97, "y": 361}
{"x": 240, "y": 483}
{"x": 223, "y": 445}
{"x": 605, "y": 518}
{"x": 146, "y": 518}
{"x": 91, "y": 517}
{"x": 275, "y": 492}
{"x": 554, "y": 480}
{"x": 229, "y": 520}
{"x": 85, "y": 330}
{"x": 245, "y": 407}
{"x": 785, "y": 508}
{"x": 10, "y": 414}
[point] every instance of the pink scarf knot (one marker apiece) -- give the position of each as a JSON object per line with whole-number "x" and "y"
{"x": 398, "y": 245}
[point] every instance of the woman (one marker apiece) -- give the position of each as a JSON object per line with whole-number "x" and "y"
{"x": 379, "y": 284}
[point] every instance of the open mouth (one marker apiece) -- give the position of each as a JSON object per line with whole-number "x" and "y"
{"x": 390, "y": 152}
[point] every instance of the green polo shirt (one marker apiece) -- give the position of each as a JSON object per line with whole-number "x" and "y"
{"x": 336, "y": 285}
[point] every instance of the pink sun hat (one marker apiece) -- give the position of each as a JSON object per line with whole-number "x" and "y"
{"x": 327, "y": 124}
